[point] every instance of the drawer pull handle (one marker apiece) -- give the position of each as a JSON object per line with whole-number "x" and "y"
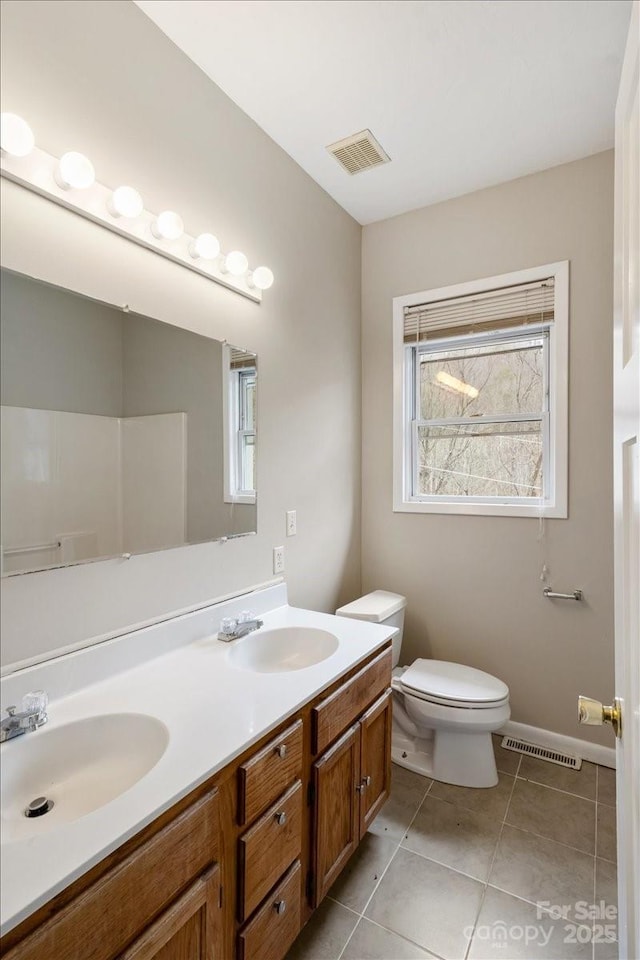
{"x": 280, "y": 818}
{"x": 280, "y": 906}
{"x": 281, "y": 750}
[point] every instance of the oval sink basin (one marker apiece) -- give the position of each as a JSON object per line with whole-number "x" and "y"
{"x": 282, "y": 649}
{"x": 79, "y": 766}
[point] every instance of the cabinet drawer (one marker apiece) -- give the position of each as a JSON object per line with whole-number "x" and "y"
{"x": 268, "y": 848}
{"x": 103, "y": 920}
{"x": 276, "y": 924}
{"x": 333, "y": 715}
{"x": 264, "y": 776}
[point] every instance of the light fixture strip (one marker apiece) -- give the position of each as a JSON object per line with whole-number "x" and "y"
{"x": 37, "y": 172}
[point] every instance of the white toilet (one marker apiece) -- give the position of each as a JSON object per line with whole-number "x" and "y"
{"x": 443, "y": 713}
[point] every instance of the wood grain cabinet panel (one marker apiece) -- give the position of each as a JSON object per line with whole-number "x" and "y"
{"x": 268, "y": 848}
{"x": 189, "y": 930}
{"x": 336, "y": 779}
{"x": 107, "y": 917}
{"x": 338, "y": 711}
{"x": 375, "y": 760}
{"x": 269, "y": 772}
{"x": 275, "y": 926}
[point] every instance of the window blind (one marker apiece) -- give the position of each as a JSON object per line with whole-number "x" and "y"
{"x": 492, "y": 310}
{"x": 241, "y": 359}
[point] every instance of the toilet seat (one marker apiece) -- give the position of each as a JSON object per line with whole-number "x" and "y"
{"x": 453, "y": 685}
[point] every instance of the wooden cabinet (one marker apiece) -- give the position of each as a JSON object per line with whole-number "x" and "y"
{"x": 107, "y": 917}
{"x": 268, "y": 848}
{"x": 228, "y": 872}
{"x": 351, "y": 783}
{"x": 266, "y": 774}
{"x": 375, "y": 760}
{"x": 188, "y": 930}
{"x": 276, "y": 925}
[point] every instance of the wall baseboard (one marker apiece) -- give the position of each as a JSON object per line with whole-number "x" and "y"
{"x": 593, "y": 752}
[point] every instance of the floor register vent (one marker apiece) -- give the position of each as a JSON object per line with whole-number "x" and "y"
{"x": 542, "y": 753}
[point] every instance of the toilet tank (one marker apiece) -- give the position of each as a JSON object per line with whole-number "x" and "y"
{"x": 379, "y": 607}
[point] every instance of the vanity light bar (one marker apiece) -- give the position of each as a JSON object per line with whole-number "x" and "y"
{"x": 70, "y": 182}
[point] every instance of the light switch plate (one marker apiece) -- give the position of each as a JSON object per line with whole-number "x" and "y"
{"x": 291, "y": 523}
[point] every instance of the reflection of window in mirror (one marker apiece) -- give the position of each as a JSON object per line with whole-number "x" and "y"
{"x": 239, "y": 379}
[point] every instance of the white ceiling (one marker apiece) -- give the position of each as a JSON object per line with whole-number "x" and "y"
{"x": 461, "y": 94}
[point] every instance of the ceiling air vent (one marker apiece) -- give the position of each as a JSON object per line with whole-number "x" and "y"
{"x": 359, "y": 152}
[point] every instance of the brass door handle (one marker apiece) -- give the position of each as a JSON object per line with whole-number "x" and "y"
{"x": 593, "y": 713}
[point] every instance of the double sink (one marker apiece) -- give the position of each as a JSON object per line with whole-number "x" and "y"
{"x": 75, "y": 768}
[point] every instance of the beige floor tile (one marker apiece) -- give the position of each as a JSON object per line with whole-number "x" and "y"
{"x": 541, "y": 870}
{"x": 507, "y": 761}
{"x": 454, "y": 836}
{"x": 357, "y": 881}
{"x": 606, "y": 839}
{"x": 607, "y": 786}
{"x": 510, "y": 928}
{"x": 427, "y": 903}
{"x": 408, "y": 790}
{"x": 606, "y": 947}
{"x": 553, "y": 814}
{"x": 491, "y": 801}
{"x": 371, "y": 942}
{"x": 581, "y": 782}
{"x": 325, "y": 935}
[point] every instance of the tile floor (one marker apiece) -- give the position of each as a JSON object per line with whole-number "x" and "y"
{"x": 456, "y": 873}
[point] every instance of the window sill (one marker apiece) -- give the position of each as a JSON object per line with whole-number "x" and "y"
{"x": 240, "y": 498}
{"x": 533, "y": 511}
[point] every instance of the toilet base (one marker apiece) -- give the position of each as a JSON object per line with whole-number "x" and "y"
{"x": 462, "y": 759}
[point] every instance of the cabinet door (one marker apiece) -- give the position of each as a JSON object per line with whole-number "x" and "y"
{"x": 190, "y": 929}
{"x": 336, "y": 778}
{"x": 375, "y": 760}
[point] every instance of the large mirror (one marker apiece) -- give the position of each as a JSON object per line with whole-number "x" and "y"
{"x": 120, "y": 434}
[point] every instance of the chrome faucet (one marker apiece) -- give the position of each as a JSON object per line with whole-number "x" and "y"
{"x": 232, "y": 629}
{"x": 32, "y": 716}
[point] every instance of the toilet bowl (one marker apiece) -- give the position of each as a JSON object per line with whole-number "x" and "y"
{"x": 443, "y": 713}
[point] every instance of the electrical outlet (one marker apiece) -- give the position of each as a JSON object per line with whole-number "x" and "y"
{"x": 291, "y": 523}
{"x": 278, "y": 559}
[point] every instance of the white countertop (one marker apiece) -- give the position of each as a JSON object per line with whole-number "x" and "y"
{"x": 212, "y": 709}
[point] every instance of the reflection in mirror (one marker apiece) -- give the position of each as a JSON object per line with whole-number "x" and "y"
{"x": 120, "y": 433}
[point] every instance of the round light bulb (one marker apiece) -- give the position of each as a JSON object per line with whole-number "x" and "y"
{"x": 236, "y": 263}
{"x": 125, "y": 202}
{"x": 205, "y": 247}
{"x": 75, "y": 171}
{"x": 262, "y": 278}
{"x": 16, "y": 137}
{"x": 168, "y": 225}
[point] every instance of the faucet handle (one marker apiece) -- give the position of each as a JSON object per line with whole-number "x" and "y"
{"x": 228, "y": 625}
{"x": 36, "y": 702}
{"x": 11, "y": 710}
{"x": 246, "y": 616}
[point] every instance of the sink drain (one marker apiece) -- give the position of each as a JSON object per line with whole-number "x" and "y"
{"x": 38, "y": 807}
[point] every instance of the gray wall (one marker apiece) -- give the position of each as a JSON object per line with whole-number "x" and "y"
{"x": 473, "y": 582}
{"x": 55, "y": 330}
{"x": 167, "y": 369}
{"x": 111, "y": 84}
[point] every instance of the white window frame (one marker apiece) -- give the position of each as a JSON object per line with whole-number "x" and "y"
{"x": 555, "y": 456}
{"x": 233, "y": 435}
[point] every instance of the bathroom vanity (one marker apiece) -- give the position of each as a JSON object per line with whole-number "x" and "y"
{"x": 232, "y": 865}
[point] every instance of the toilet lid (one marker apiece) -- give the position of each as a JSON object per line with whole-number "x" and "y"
{"x": 444, "y": 682}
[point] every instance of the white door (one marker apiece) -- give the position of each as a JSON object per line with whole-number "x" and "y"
{"x": 627, "y": 487}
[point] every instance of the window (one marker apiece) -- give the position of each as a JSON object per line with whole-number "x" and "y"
{"x": 480, "y": 396}
{"x": 240, "y": 380}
